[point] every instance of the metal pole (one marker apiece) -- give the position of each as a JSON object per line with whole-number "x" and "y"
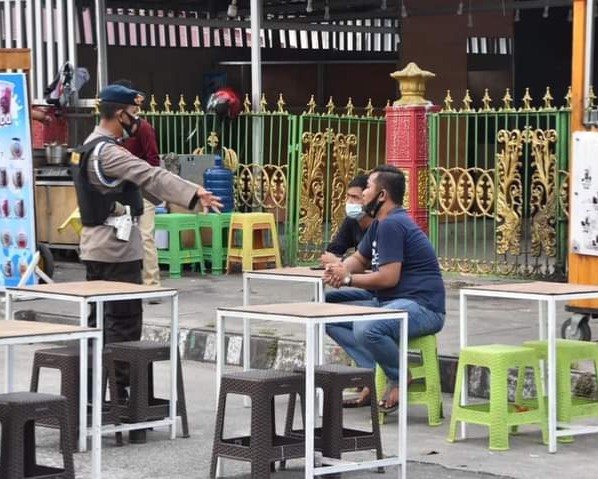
{"x": 100, "y": 6}
{"x": 256, "y": 78}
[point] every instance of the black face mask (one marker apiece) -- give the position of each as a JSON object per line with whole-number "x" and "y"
{"x": 373, "y": 206}
{"x": 130, "y": 129}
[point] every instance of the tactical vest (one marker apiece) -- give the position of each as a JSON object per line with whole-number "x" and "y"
{"x": 94, "y": 206}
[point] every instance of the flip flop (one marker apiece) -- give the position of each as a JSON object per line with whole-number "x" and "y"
{"x": 388, "y": 410}
{"x": 355, "y": 403}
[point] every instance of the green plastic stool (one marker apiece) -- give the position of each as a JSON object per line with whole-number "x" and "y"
{"x": 175, "y": 256}
{"x": 428, "y": 393}
{"x": 218, "y": 224}
{"x": 498, "y": 414}
{"x": 569, "y": 352}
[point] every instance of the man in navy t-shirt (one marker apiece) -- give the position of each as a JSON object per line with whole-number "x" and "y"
{"x": 405, "y": 275}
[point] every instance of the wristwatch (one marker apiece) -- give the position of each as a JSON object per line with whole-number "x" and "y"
{"x": 347, "y": 280}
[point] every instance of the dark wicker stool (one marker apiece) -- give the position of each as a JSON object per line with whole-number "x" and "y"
{"x": 332, "y": 438}
{"x": 142, "y": 404}
{"x": 262, "y": 447}
{"x": 18, "y": 414}
{"x": 66, "y": 360}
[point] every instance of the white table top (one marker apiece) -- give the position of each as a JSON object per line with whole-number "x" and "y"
{"x": 24, "y": 329}
{"x": 304, "y": 271}
{"x": 310, "y": 310}
{"x": 87, "y": 289}
{"x": 537, "y": 288}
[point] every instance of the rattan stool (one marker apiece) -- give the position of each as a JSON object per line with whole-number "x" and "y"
{"x": 332, "y": 438}
{"x": 66, "y": 360}
{"x": 142, "y": 404}
{"x": 262, "y": 447}
{"x": 19, "y": 413}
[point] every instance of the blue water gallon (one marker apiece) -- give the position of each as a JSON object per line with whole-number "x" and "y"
{"x": 219, "y": 180}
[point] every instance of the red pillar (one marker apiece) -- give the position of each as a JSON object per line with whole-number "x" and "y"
{"x": 407, "y": 149}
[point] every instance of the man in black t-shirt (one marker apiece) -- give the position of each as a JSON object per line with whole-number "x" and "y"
{"x": 353, "y": 227}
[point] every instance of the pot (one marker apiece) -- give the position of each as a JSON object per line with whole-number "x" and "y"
{"x": 56, "y": 154}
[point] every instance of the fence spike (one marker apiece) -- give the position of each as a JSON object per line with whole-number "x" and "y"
{"x": 507, "y": 101}
{"x": 527, "y": 101}
{"x": 467, "y": 101}
{"x": 486, "y": 102}
{"x": 387, "y": 103}
{"x": 167, "y": 104}
{"x": 247, "y": 104}
{"x": 281, "y": 104}
{"x": 568, "y": 97}
{"x": 591, "y": 97}
{"x": 547, "y": 98}
{"x": 330, "y": 106}
{"x": 96, "y": 106}
{"x": 369, "y": 109}
{"x": 153, "y": 104}
{"x": 182, "y": 104}
{"x": 197, "y": 104}
{"x": 311, "y": 105}
{"x": 263, "y": 104}
{"x": 350, "y": 107}
{"x": 447, "y": 102}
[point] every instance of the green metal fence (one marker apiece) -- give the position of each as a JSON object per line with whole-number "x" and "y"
{"x": 296, "y": 166}
{"x": 498, "y": 189}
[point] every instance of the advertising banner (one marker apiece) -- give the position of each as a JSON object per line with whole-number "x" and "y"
{"x": 17, "y": 215}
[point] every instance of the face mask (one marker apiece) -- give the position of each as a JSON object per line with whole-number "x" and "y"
{"x": 130, "y": 129}
{"x": 373, "y": 206}
{"x": 354, "y": 210}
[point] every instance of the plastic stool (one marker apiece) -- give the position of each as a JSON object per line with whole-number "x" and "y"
{"x": 176, "y": 255}
{"x": 498, "y": 414}
{"x": 66, "y": 360}
{"x": 429, "y": 393}
{"x": 18, "y": 415}
{"x": 218, "y": 224}
{"x": 333, "y": 438}
{"x": 253, "y": 227}
{"x": 143, "y": 405}
{"x": 569, "y": 352}
{"x": 262, "y": 447}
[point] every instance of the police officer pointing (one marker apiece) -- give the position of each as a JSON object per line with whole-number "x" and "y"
{"x": 110, "y": 184}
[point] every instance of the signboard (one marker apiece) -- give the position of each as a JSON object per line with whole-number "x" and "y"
{"x": 17, "y": 215}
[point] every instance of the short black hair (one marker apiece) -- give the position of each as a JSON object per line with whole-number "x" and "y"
{"x": 108, "y": 109}
{"x": 124, "y": 82}
{"x": 391, "y": 179}
{"x": 360, "y": 181}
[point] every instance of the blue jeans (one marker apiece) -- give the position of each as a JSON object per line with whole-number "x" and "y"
{"x": 371, "y": 342}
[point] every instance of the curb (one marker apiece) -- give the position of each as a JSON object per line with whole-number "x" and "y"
{"x": 270, "y": 352}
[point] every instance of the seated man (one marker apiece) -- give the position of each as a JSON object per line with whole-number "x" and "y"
{"x": 352, "y": 229}
{"x": 405, "y": 275}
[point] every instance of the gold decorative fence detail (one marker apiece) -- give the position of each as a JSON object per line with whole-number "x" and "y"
{"x": 314, "y": 161}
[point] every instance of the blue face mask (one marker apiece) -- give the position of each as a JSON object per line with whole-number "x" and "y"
{"x": 354, "y": 210}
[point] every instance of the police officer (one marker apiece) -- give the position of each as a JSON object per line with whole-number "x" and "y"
{"x": 110, "y": 184}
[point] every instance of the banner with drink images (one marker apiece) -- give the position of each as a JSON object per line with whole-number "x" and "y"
{"x": 17, "y": 215}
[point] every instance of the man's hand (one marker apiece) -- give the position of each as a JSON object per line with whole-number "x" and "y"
{"x": 208, "y": 200}
{"x": 329, "y": 258}
{"x": 334, "y": 274}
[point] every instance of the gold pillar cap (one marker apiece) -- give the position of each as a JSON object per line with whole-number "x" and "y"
{"x": 412, "y": 83}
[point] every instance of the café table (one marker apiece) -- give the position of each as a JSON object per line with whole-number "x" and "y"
{"x": 14, "y": 333}
{"x": 547, "y": 295}
{"x": 311, "y": 316}
{"x": 84, "y": 293}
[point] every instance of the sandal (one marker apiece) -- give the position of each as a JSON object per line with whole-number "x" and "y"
{"x": 363, "y": 400}
{"x": 382, "y": 407}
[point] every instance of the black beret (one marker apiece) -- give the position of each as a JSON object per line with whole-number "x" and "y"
{"x": 121, "y": 94}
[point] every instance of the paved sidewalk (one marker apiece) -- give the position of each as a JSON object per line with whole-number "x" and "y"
{"x": 492, "y": 321}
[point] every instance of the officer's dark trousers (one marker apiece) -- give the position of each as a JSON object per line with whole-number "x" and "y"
{"x": 122, "y": 319}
